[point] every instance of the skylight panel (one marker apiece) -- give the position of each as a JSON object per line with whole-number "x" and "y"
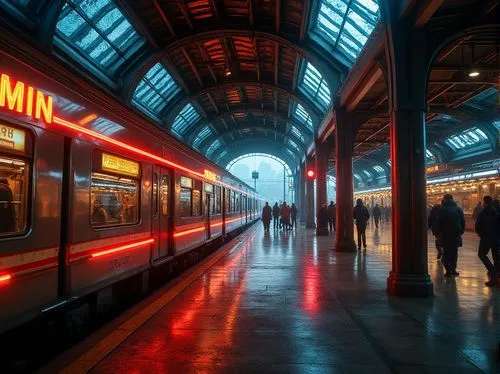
{"x": 290, "y": 152}
{"x": 357, "y": 176}
{"x": 155, "y": 90}
{"x": 378, "y": 169}
{"x": 293, "y": 144}
{"x": 468, "y": 138}
{"x": 303, "y": 116}
{"x": 315, "y": 87}
{"x": 221, "y": 155}
{"x": 297, "y": 133}
{"x": 367, "y": 173}
{"x": 346, "y": 25}
{"x": 213, "y": 147}
{"x": 99, "y": 32}
{"x": 497, "y": 125}
{"x": 203, "y": 134}
{"x": 185, "y": 119}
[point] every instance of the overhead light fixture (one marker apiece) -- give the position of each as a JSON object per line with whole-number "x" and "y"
{"x": 473, "y": 73}
{"x": 227, "y": 72}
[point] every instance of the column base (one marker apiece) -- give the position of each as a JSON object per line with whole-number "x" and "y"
{"x": 409, "y": 285}
{"x": 345, "y": 246}
{"x": 310, "y": 225}
{"x": 322, "y": 231}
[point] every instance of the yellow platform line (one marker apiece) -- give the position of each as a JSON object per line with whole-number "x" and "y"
{"x": 105, "y": 346}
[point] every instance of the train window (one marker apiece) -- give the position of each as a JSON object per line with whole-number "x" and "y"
{"x": 238, "y": 202}
{"x": 164, "y": 195}
{"x": 185, "y": 202}
{"x": 14, "y": 187}
{"x": 155, "y": 194}
{"x": 217, "y": 199}
{"x": 227, "y": 199}
{"x": 115, "y": 200}
{"x": 196, "y": 203}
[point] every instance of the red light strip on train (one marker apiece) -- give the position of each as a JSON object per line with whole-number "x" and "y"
{"x": 107, "y": 139}
{"x": 187, "y": 232}
{"x": 123, "y": 247}
{"x": 216, "y": 224}
{"x": 234, "y": 220}
{"x": 5, "y": 278}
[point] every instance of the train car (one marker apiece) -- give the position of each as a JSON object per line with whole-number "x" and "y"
{"x": 89, "y": 198}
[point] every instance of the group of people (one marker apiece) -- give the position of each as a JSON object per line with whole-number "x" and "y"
{"x": 284, "y": 216}
{"x": 447, "y": 223}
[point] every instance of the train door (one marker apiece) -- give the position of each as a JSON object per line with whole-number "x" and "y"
{"x": 161, "y": 212}
{"x": 245, "y": 208}
{"x": 208, "y": 206}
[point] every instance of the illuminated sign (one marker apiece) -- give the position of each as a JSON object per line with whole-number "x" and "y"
{"x": 210, "y": 176}
{"x": 186, "y": 182}
{"x": 11, "y": 138}
{"x": 18, "y": 97}
{"x": 120, "y": 165}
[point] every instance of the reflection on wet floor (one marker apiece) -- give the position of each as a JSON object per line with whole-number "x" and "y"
{"x": 286, "y": 302}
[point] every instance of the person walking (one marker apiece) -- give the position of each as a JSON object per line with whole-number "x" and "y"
{"x": 432, "y": 224}
{"x": 293, "y": 215}
{"x": 332, "y": 211}
{"x": 450, "y": 228}
{"x": 276, "y": 216}
{"x": 477, "y": 209}
{"x": 488, "y": 230}
{"x": 361, "y": 216}
{"x": 377, "y": 213}
{"x": 285, "y": 216}
{"x": 266, "y": 216}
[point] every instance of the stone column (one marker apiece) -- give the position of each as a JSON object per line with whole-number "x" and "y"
{"x": 406, "y": 75}
{"x": 344, "y": 145}
{"x": 302, "y": 192}
{"x": 310, "y": 196}
{"x": 321, "y": 196}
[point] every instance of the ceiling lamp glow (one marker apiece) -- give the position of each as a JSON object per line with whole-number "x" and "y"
{"x": 473, "y": 73}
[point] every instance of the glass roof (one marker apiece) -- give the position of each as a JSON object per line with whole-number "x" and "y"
{"x": 378, "y": 168}
{"x": 202, "y": 135}
{"x": 345, "y": 25}
{"x": 297, "y": 133}
{"x": 315, "y": 87}
{"x": 367, "y": 173}
{"x": 468, "y": 138}
{"x": 187, "y": 117}
{"x": 293, "y": 144}
{"x": 155, "y": 90}
{"x": 290, "y": 152}
{"x": 221, "y": 155}
{"x": 213, "y": 147}
{"x": 301, "y": 114}
{"x": 357, "y": 177}
{"x": 98, "y": 31}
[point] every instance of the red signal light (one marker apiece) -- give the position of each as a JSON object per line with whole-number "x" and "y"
{"x": 310, "y": 174}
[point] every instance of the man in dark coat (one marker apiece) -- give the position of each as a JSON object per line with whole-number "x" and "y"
{"x": 361, "y": 216}
{"x": 332, "y": 211}
{"x": 293, "y": 216}
{"x": 488, "y": 230}
{"x": 450, "y": 227}
{"x": 266, "y": 216}
{"x": 377, "y": 213}
{"x": 276, "y": 216}
{"x": 432, "y": 224}
{"x": 7, "y": 212}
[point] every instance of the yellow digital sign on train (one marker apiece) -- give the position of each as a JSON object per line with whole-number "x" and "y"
{"x": 120, "y": 165}
{"x": 12, "y": 138}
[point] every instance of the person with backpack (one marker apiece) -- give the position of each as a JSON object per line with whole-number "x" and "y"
{"x": 361, "y": 215}
{"x": 450, "y": 228}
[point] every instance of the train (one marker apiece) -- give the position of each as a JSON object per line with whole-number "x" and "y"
{"x": 92, "y": 194}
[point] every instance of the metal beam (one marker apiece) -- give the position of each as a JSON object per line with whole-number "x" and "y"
{"x": 192, "y": 65}
{"x": 185, "y": 13}
{"x": 364, "y": 87}
{"x": 426, "y": 12}
{"x": 164, "y": 18}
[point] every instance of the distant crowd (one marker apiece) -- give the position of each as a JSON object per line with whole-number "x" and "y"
{"x": 284, "y": 216}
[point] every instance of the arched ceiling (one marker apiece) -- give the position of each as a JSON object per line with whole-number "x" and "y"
{"x": 226, "y": 69}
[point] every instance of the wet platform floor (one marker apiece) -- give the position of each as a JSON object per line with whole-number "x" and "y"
{"x": 287, "y": 303}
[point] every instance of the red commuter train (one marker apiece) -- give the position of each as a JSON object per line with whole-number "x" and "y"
{"x": 89, "y": 197}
